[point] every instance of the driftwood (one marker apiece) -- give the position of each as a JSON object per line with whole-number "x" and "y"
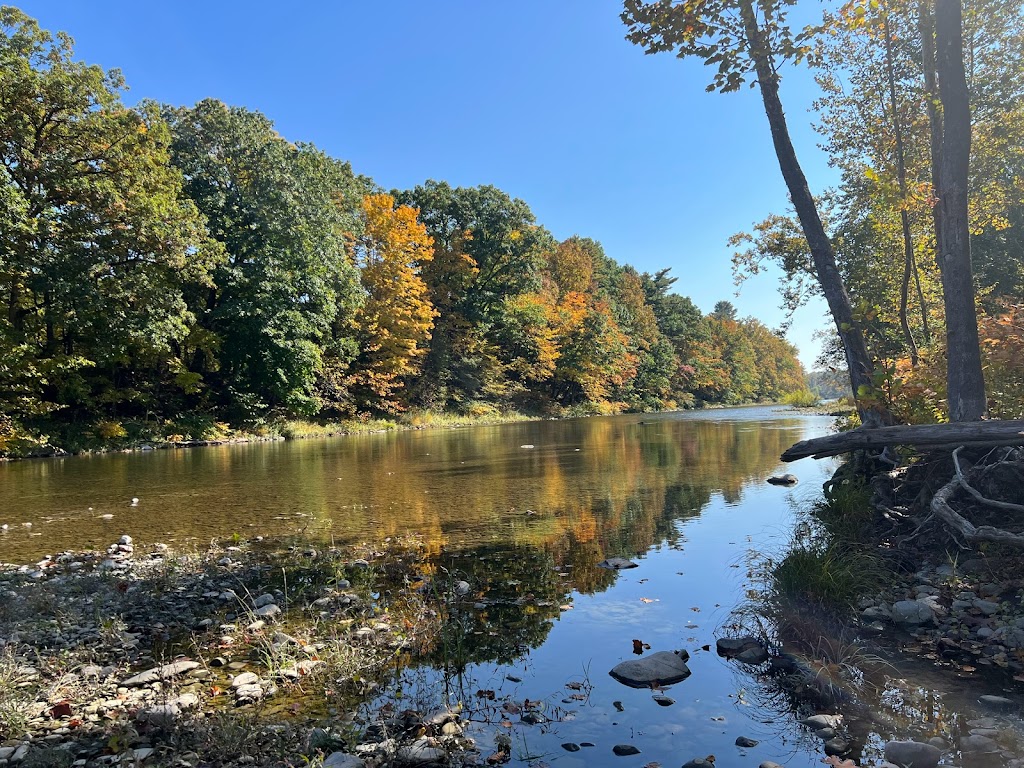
{"x": 975, "y": 433}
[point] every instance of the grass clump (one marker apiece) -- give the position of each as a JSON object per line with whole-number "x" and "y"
{"x": 829, "y": 575}
{"x": 801, "y": 398}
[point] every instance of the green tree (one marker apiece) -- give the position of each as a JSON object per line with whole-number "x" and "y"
{"x": 284, "y": 215}
{"x": 96, "y": 243}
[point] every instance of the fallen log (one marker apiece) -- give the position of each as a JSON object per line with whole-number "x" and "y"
{"x": 977, "y": 433}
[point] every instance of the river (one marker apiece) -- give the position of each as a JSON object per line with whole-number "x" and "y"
{"x": 524, "y": 509}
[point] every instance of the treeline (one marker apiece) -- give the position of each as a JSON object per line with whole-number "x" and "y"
{"x": 177, "y": 266}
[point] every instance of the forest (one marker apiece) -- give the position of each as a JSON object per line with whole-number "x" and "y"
{"x": 170, "y": 271}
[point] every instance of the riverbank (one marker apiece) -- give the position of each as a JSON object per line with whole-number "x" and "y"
{"x": 141, "y": 436}
{"x": 243, "y": 654}
{"x": 872, "y": 584}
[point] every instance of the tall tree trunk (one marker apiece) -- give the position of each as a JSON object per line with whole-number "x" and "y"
{"x": 964, "y": 379}
{"x": 901, "y": 177}
{"x": 926, "y": 28}
{"x": 858, "y": 361}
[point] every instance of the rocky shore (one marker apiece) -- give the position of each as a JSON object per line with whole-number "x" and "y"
{"x": 240, "y": 655}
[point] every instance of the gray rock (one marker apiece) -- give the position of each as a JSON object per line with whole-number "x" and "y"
{"x": 6, "y": 752}
{"x": 422, "y": 752}
{"x": 163, "y": 672}
{"x": 663, "y": 667}
{"x": 743, "y": 741}
{"x": 462, "y": 588}
{"x": 625, "y": 750}
{"x": 875, "y": 612}
{"x": 571, "y": 747}
{"x": 264, "y": 599}
{"x": 836, "y": 746}
{"x": 997, "y": 702}
{"x": 731, "y": 646}
{"x": 663, "y": 701}
{"x": 756, "y": 655}
{"x": 19, "y": 754}
{"x": 159, "y": 715}
{"x": 342, "y": 760}
{"x": 913, "y": 754}
{"x": 699, "y": 762}
{"x": 250, "y": 692}
{"x": 617, "y": 564}
{"x": 769, "y": 764}
{"x": 978, "y": 744}
{"x": 786, "y": 479}
{"x": 268, "y": 611}
{"x": 818, "y": 722}
{"x": 912, "y": 612}
{"x": 985, "y": 606}
{"x": 246, "y": 678}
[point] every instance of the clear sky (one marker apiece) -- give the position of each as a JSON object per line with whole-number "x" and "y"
{"x": 544, "y": 99}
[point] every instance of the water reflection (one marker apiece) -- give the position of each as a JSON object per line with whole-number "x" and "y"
{"x": 603, "y": 484}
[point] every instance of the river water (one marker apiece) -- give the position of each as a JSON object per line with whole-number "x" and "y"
{"x": 522, "y": 512}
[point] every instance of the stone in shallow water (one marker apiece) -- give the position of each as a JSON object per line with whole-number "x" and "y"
{"x": 783, "y": 480}
{"x": 570, "y": 747}
{"x": 624, "y": 750}
{"x": 663, "y": 667}
{"x": 997, "y": 702}
{"x": 617, "y": 564}
{"x": 743, "y": 741}
{"x": 912, "y": 753}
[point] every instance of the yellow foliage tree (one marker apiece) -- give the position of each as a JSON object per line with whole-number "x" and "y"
{"x": 396, "y": 318}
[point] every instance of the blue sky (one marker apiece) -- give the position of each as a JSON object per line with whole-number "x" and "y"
{"x": 543, "y": 99}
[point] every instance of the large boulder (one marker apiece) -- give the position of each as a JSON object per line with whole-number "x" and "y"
{"x": 662, "y": 668}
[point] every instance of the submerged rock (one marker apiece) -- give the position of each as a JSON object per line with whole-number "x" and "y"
{"x": 624, "y": 750}
{"x": 733, "y": 646}
{"x": 663, "y": 667}
{"x": 912, "y": 753}
{"x": 743, "y": 741}
{"x": 786, "y": 479}
{"x": 617, "y": 564}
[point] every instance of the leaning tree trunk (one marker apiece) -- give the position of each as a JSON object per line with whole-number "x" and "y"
{"x": 858, "y": 361}
{"x": 964, "y": 379}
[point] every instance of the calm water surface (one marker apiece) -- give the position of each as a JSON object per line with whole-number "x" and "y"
{"x": 523, "y": 512}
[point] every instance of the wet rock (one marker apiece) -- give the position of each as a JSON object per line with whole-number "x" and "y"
{"x": 786, "y": 479}
{"x": 159, "y": 715}
{"x": 342, "y": 760}
{"x": 743, "y": 741}
{"x": 978, "y": 744}
{"x": 699, "y": 762}
{"x": 913, "y": 754}
{"x": 422, "y": 752}
{"x": 264, "y": 599}
{"x": 818, "y": 722}
{"x": 769, "y": 764}
{"x": 6, "y": 752}
{"x": 617, "y": 564}
{"x": 246, "y": 678}
{"x": 997, "y": 702}
{"x": 728, "y": 647}
{"x": 162, "y": 672}
{"x": 251, "y": 692}
{"x": 625, "y": 750}
{"x": 756, "y": 655}
{"x": 825, "y": 733}
{"x": 663, "y": 667}
{"x": 663, "y": 701}
{"x": 912, "y": 612}
{"x": 571, "y": 747}
{"x": 836, "y": 746}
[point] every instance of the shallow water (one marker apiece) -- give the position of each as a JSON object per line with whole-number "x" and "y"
{"x": 523, "y": 513}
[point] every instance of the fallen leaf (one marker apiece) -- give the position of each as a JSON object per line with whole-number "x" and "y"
{"x": 62, "y": 709}
{"x": 648, "y": 600}
{"x": 638, "y": 647}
